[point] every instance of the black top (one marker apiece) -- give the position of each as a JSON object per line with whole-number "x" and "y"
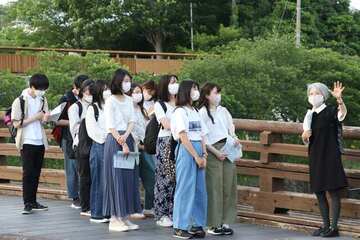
{"x": 70, "y": 99}
{"x": 325, "y": 148}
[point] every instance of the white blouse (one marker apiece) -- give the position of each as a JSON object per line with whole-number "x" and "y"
{"x": 118, "y": 113}
{"x": 160, "y": 114}
{"x": 75, "y": 120}
{"x": 222, "y": 127}
{"x": 96, "y": 129}
{"x": 139, "y": 126}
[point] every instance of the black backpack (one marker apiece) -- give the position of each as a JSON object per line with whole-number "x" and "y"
{"x": 85, "y": 142}
{"x": 8, "y": 120}
{"x": 152, "y": 132}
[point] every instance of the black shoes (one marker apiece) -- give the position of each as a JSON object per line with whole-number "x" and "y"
{"x": 326, "y": 232}
{"x": 27, "y": 209}
{"x": 197, "y": 232}
{"x": 38, "y": 207}
{"x": 223, "y": 230}
{"x": 178, "y": 233}
{"x": 227, "y": 230}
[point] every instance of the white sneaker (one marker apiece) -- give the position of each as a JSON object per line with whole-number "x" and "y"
{"x": 118, "y": 226}
{"x": 130, "y": 225}
{"x": 137, "y": 216}
{"x": 86, "y": 214}
{"x": 74, "y": 206}
{"x": 164, "y": 221}
{"x": 149, "y": 212}
{"x": 99, "y": 220}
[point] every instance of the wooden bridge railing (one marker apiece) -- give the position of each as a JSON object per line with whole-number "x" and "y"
{"x": 152, "y": 62}
{"x": 264, "y": 199}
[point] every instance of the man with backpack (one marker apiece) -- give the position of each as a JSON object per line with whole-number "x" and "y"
{"x": 77, "y": 114}
{"x": 28, "y": 114}
{"x": 63, "y": 136}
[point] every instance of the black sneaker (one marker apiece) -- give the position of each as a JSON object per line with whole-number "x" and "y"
{"x": 27, "y": 209}
{"x": 227, "y": 230}
{"x": 331, "y": 233}
{"x": 319, "y": 232}
{"x": 197, "y": 232}
{"x": 38, "y": 207}
{"x": 178, "y": 233}
{"x": 215, "y": 231}
{"x": 76, "y": 203}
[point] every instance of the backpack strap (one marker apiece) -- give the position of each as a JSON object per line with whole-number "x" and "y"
{"x": 163, "y": 105}
{"x": 22, "y": 107}
{"x": 80, "y": 108}
{"x": 96, "y": 111}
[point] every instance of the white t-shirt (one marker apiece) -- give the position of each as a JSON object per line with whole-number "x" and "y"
{"x": 160, "y": 114}
{"x": 118, "y": 114}
{"x": 33, "y": 131}
{"x": 75, "y": 120}
{"x": 139, "y": 126}
{"x": 96, "y": 129}
{"x": 188, "y": 120}
{"x": 222, "y": 127}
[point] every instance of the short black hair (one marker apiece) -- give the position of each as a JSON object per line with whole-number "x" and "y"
{"x": 39, "y": 81}
{"x": 118, "y": 78}
{"x": 96, "y": 90}
{"x": 78, "y": 80}
{"x": 183, "y": 97}
{"x": 163, "y": 88}
{"x": 85, "y": 86}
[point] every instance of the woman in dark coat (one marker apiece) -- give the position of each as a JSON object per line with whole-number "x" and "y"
{"x": 322, "y": 131}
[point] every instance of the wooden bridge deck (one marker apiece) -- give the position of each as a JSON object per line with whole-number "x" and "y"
{"x": 62, "y": 222}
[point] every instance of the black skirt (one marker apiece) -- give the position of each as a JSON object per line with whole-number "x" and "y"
{"x": 325, "y": 148}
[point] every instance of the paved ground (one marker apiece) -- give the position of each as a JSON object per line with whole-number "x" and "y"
{"x": 62, "y": 222}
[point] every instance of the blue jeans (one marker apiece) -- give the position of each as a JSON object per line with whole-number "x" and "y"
{"x": 97, "y": 179}
{"x": 71, "y": 173}
{"x": 147, "y": 175}
{"x": 190, "y": 202}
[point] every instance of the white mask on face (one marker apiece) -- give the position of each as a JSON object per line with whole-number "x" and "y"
{"x": 218, "y": 99}
{"x": 173, "y": 88}
{"x": 316, "y": 100}
{"x": 195, "y": 95}
{"x": 106, "y": 94}
{"x": 39, "y": 93}
{"x": 147, "y": 96}
{"x": 137, "y": 97}
{"x": 88, "y": 98}
{"x": 126, "y": 86}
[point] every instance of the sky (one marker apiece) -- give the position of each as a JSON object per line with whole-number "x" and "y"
{"x": 354, "y": 3}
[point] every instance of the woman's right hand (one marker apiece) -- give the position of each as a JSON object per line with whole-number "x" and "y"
{"x": 125, "y": 149}
{"x": 221, "y": 156}
{"x": 200, "y": 162}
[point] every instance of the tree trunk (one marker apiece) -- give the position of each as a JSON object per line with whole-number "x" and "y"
{"x": 156, "y": 40}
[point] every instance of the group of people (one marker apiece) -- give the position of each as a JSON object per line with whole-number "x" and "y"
{"x": 189, "y": 183}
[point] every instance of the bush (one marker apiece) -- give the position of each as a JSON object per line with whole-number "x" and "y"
{"x": 266, "y": 78}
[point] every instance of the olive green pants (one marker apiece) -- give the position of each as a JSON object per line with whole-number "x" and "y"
{"x": 221, "y": 184}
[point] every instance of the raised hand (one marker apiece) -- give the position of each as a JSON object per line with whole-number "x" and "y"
{"x": 338, "y": 89}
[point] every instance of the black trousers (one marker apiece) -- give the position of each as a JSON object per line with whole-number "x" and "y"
{"x": 85, "y": 183}
{"x": 32, "y": 157}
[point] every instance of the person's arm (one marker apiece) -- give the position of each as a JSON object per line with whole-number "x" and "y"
{"x": 74, "y": 120}
{"x": 16, "y": 115}
{"x": 231, "y": 126}
{"x": 307, "y": 127}
{"x": 62, "y": 123}
{"x": 161, "y": 116}
{"x": 337, "y": 93}
{"x": 94, "y": 131}
{"x": 201, "y": 162}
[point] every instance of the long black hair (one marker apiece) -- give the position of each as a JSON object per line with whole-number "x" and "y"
{"x": 203, "y": 101}
{"x": 97, "y": 90}
{"x": 163, "y": 87}
{"x": 140, "y": 104}
{"x": 183, "y": 97}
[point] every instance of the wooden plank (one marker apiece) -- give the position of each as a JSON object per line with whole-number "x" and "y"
{"x": 9, "y": 149}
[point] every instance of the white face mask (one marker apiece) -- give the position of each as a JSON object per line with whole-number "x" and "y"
{"x": 147, "y": 96}
{"x": 173, "y": 88}
{"x": 316, "y": 100}
{"x": 195, "y": 95}
{"x": 137, "y": 97}
{"x": 126, "y": 86}
{"x": 88, "y": 98}
{"x": 217, "y": 99}
{"x": 39, "y": 93}
{"x": 106, "y": 94}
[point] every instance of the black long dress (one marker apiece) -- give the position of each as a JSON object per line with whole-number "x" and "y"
{"x": 326, "y": 169}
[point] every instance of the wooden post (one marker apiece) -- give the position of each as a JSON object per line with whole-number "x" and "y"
{"x": 266, "y": 139}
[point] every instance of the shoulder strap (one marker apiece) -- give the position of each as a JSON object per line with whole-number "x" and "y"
{"x": 163, "y": 105}
{"x": 80, "y": 108}
{"x": 96, "y": 112}
{"x": 22, "y": 108}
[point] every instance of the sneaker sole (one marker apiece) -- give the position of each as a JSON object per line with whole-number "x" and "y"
{"x": 40, "y": 210}
{"x": 134, "y": 228}
{"x": 215, "y": 234}
{"x": 118, "y": 230}
{"x": 25, "y": 213}
{"x": 99, "y": 221}
{"x": 176, "y": 236}
{"x": 75, "y": 207}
